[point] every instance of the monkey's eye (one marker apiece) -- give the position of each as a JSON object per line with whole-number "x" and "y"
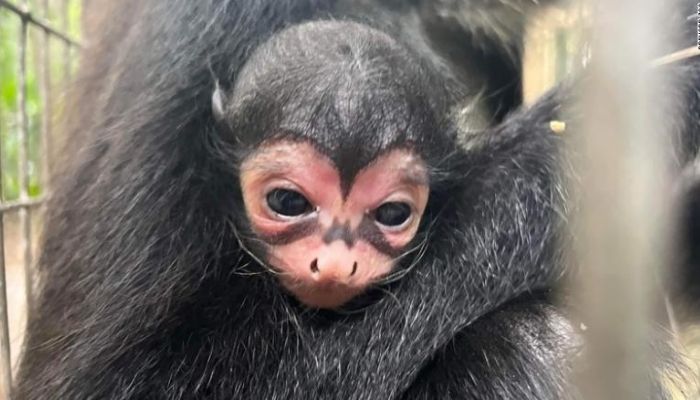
{"x": 288, "y": 203}
{"x": 392, "y": 214}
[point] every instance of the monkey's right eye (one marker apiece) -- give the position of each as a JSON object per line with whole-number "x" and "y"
{"x": 288, "y": 203}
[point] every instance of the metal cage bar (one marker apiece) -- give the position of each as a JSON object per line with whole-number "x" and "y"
{"x": 5, "y": 360}
{"x": 26, "y": 15}
{"x": 623, "y": 226}
{"x": 46, "y": 95}
{"x": 24, "y": 213}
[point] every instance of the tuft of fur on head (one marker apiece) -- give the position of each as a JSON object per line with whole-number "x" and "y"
{"x": 353, "y": 91}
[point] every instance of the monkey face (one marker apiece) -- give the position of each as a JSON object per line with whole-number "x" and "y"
{"x": 328, "y": 244}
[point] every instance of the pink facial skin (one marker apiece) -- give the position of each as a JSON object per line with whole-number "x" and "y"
{"x": 319, "y": 273}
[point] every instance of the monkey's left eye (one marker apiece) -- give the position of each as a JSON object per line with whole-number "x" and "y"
{"x": 288, "y": 203}
{"x": 392, "y": 214}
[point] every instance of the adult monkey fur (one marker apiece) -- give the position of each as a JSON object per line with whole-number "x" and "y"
{"x": 146, "y": 292}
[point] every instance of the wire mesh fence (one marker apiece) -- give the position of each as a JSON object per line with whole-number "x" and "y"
{"x": 38, "y": 49}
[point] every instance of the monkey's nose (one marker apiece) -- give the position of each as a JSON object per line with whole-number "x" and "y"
{"x": 331, "y": 271}
{"x": 314, "y": 266}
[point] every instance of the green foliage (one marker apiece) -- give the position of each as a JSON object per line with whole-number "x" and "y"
{"x": 60, "y": 68}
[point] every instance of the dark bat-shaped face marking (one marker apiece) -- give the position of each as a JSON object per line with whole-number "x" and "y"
{"x": 330, "y": 244}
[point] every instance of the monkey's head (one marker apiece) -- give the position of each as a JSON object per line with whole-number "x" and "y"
{"x": 337, "y": 138}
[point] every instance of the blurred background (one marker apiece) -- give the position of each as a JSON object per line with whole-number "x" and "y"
{"x": 37, "y": 61}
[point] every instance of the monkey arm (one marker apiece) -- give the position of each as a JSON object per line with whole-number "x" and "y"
{"x": 491, "y": 356}
{"x": 686, "y": 138}
{"x": 523, "y": 350}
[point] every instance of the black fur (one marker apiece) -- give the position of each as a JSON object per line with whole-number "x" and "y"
{"x": 145, "y": 291}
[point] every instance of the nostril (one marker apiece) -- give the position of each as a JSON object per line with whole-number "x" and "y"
{"x": 354, "y": 268}
{"x": 314, "y": 265}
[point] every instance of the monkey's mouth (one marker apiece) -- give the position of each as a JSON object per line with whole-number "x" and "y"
{"x": 326, "y": 295}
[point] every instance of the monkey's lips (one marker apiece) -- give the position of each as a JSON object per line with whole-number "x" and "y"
{"x": 326, "y": 295}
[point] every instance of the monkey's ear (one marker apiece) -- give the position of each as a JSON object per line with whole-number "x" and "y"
{"x": 218, "y": 103}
